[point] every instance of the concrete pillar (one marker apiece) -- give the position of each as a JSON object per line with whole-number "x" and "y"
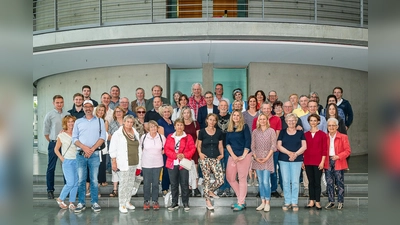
{"x": 208, "y": 76}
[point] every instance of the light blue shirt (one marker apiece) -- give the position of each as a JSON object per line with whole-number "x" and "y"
{"x": 321, "y": 126}
{"x": 52, "y": 124}
{"x": 87, "y": 131}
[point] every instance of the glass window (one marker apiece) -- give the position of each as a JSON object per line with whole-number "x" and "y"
{"x": 182, "y": 80}
{"x": 231, "y": 79}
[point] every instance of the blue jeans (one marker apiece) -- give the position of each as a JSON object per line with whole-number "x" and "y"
{"x": 51, "y": 165}
{"x": 226, "y": 184}
{"x": 82, "y": 164}
{"x": 71, "y": 176}
{"x": 274, "y": 176}
{"x": 290, "y": 180}
{"x": 264, "y": 185}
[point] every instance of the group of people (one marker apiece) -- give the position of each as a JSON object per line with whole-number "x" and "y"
{"x": 201, "y": 137}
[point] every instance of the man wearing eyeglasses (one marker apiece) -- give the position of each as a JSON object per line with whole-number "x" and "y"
{"x": 207, "y": 109}
{"x": 124, "y": 103}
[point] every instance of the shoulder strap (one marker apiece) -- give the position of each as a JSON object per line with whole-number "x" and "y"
{"x": 144, "y": 138}
{"x": 162, "y": 144}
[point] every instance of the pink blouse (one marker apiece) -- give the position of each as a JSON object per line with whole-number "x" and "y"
{"x": 262, "y": 142}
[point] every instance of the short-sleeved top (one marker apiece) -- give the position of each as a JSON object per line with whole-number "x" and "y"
{"x": 291, "y": 143}
{"x": 68, "y": 149}
{"x": 248, "y": 119}
{"x": 209, "y": 143}
{"x": 168, "y": 128}
{"x": 262, "y": 142}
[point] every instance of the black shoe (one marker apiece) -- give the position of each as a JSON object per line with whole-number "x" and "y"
{"x": 197, "y": 193}
{"x": 325, "y": 194}
{"x": 173, "y": 206}
{"x": 330, "y": 205}
{"x": 309, "y": 207}
{"x": 50, "y": 194}
{"x": 276, "y": 194}
{"x": 228, "y": 193}
{"x": 258, "y": 194}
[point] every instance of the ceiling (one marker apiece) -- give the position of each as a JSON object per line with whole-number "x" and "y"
{"x": 192, "y": 54}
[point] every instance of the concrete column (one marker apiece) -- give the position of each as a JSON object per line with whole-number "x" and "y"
{"x": 208, "y": 76}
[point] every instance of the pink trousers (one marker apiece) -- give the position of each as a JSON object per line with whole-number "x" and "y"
{"x": 241, "y": 168}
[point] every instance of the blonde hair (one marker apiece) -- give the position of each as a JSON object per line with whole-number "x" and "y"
{"x": 101, "y": 105}
{"x": 122, "y": 109}
{"x": 165, "y": 107}
{"x": 237, "y": 101}
{"x": 190, "y": 112}
{"x": 65, "y": 121}
{"x": 153, "y": 122}
{"x": 140, "y": 107}
{"x": 291, "y": 115}
{"x": 240, "y": 125}
{"x": 258, "y": 121}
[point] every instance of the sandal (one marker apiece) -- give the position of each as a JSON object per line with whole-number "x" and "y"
{"x": 61, "y": 203}
{"x": 71, "y": 206}
{"x": 286, "y": 207}
{"x": 238, "y": 207}
{"x": 114, "y": 193}
{"x": 295, "y": 208}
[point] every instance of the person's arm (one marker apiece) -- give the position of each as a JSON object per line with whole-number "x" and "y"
{"x": 57, "y": 149}
{"x": 344, "y": 147}
{"x": 221, "y": 150}
{"x": 199, "y": 143}
{"x": 46, "y": 127}
{"x": 229, "y": 147}
{"x": 324, "y": 147}
{"x": 160, "y": 130}
{"x": 253, "y": 144}
{"x": 113, "y": 152}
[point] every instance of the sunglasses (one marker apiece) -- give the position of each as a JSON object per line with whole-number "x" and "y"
{"x": 142, "y": 112}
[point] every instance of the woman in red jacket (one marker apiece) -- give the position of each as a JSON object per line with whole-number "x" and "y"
{"x": 335, "y": 164}
{"x": 314, "y": 159}
{"x": 179, "y": 145}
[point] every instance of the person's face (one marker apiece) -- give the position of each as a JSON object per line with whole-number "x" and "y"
{"x": 186, "y": 114}
{"x": 100, "y": 111}
{"x": 287, "y": 108}
{"x": 331, "y": 100}
{"x": 140, "y": 113}
{"x": 252, "y": 102}
{"x": 88, "y": 109}
{"x": 262, "y": 120}
{"x": 179, "y": 127}
{"x": 128, "y": 123}
{"x": 259, "y": 97}
{"x": 70, "y": 123}
{"x": 78, "y": 100}
{"x": 114, "y": 92}
{"x": 124, "y": 103}
{"x": 166, "y": 114}
{"x": 312, "y": 107}
{"x": 86, "y": 92}
{"x": 294, "y": 100}
{"x": 313, "y": 122}
{"x": 272, "y": 96}
{"x": 266, "y": 109}
{"x": 196, "y": 90}
{"x": 219, "y": 90}
{"x": 182, "y": 101}
{"x": 105, "y": 99}
{"x": 58, "y": 104}
{"x": 278, "y": 110}
{"x": 238, "y": 96}
{"x": 156, "y": 91}
{"x": 331, "y": 111}
{"x": 291, "y": 122}
{"x": 157, "y": 103}
{"x": 211, "y": 121}
{"x": 303, "y": 102}
{"x": 139, "y": 94}
{"x": 332, "y": 127}
{"x": 153, "y": 128}
{"x": 119, "y": 113}
{"x": 236, "y": 117}
{"x": 209, "y": 99}
{"x": 314, "y": 97}
{"x": 237, "y": 105}
{"x": 337, "y": 93}
{"x": 223, "y": 107}
{"x": 176, "y": 97}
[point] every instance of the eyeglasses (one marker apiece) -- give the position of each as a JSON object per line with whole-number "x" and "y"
{"x": 117, "y": 111}
{"x": 141, "y": 112}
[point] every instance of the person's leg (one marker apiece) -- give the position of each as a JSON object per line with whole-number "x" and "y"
{"x": 262, "y": 183}
{"x": 286, "y": 181}
{"x": 305, "y": 183}
{"x": 130, "y": 184}
{"x": 184, "y": 184}
{"x": 205, "y": 168}
{"x": 295, "y": 171}
{"x": 329, "y": 181}
{"x": 311, "y": 184}
{"x": 242, "y": 167}
{"x": 231, "y": 172}
{"x": 267, "y": 184}
{"x": 51, "y": 166}
{"x": 155, "y": 175}
{"x": 216, "y": 169}
{"x": 81, "y": 164}
{"x": 74, "y": 190}
{"x": 339, "y": 178}
{"x": 317, "y": 184}
{"x": 174, "y": 179}
{"x": 123, "y": 187}
{"x": 165, "y": 182}
{"x": 94, "y": 163}
{"x": 274, "y": 176}
{"x": 147, "y": 179}
{"x": 69, "y": 175}
{"x": 102, "y": 170}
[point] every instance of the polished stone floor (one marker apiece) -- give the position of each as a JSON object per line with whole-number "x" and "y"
{"x": 200, "y": 215}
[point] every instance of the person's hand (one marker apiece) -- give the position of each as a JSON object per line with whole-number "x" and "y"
{"x": 114, "y": 166}
{"x": 321, "y": 166}
{"x": 202, "y": 156}
{"x": 303, "y": 166}
{"x": 235, "y": 158}
{"x": 220, "y": 157}
{"x": 292, "y": 156}
{"x": 62, "y": 159}
{"x": 335, "y": 157}
{"x": 299, "y": 127}
{"x": 180, "y": 156}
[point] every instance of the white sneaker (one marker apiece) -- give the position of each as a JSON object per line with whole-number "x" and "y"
{"x": 128, "y": 205}
{"x": 167, "y": 198}
{"x": 123, "y": 209}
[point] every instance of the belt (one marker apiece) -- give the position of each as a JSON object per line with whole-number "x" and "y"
{"x": 53, "y": 140}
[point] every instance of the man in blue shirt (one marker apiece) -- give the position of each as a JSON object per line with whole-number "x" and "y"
{"x": 88, "y": 135}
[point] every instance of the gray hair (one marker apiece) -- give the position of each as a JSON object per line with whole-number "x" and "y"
{"x": 129, "y": 117}
{"x": 201, "y": 87}
{"x": 291, "y": 115}
{"x": 314, "y": 92}
{"x": 334, "y": 120}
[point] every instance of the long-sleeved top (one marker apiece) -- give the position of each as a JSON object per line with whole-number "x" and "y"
{"x": 149, "y": 103}
{"x": 321, "y": 126}
{"x": 119, "y": 149}
{"x": 342, "y": 149}
{"x": 239, "y": 140}
{"x": 316, "y": 148}
{"x": 52, "y": 124}
{"x": 262, "y": 142}
{"x": 88, "y": 132}
{"x": 177, "y": 113}
{"x": 202, "y": 115}
{"x": 196, "y": 105}
{"x": 152, "y": 150}
{"x": 172, "y": 148}
{"x": 348, "y": 111}
{"x": 274, "y": 122}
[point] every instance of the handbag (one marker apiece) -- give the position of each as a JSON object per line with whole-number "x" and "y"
{"x": 102, "y": 146}
{"x": 186, "y": 163}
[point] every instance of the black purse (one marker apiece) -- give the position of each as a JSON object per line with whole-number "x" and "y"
{"x": 102, "y": 146}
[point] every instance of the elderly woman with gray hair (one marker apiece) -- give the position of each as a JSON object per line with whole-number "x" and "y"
{"x": 339, "y": 149}
{"x": 125, "y": 153}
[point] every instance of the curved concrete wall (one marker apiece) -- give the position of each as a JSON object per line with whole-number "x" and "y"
{"x": 284, "y": 78}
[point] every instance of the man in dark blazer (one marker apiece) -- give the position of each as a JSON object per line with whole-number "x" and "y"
{"x": 207, "y": 109}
